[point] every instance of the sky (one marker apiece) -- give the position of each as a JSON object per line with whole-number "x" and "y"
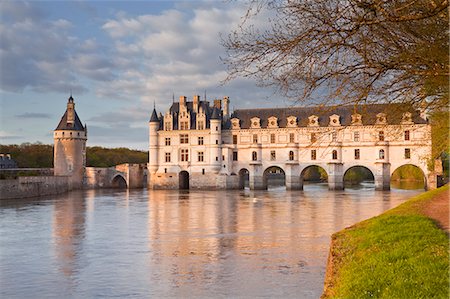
{"x": 118, "y": 59}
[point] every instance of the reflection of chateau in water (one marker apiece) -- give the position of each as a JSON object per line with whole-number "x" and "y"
{"x": 189, "y": 238}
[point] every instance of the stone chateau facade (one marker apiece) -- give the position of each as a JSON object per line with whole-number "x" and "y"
{"x": 199, "y": 145}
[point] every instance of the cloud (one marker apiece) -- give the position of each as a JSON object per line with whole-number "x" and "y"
{"x": 34, "y": 115}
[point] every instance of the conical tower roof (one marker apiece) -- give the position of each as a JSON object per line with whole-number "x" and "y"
{"x": 64, "y": 124}
{"x": 154, "y": 117}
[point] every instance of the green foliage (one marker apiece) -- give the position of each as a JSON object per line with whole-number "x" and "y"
{"x": 106, "y": 157}
{"x": 315, "y": 174}
{"x": 358, "y": 174}
{"x": 399, "y": 254}
{"x": 30, "y": 155}
{"x": 408, "y": 172}
{"x": 38, "y": 155}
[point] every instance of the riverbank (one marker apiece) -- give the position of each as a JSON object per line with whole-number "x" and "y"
{"x": 402, "y": 253}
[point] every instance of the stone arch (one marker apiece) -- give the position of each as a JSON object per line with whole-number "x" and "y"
{"x": 356, "y": 174}
{"x": 408, "y": 176}
{"x": 244, "y": 176}
{"x": 314, "y": 173}
{"x": 274, "y": 176}
{"x": 118, "y": 181}
{"x": 183, "y": 180}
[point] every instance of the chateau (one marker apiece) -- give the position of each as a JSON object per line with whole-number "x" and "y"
{"x": 199, "y": 145}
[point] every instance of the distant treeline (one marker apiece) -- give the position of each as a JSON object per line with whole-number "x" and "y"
{"x": 38, "y": 155}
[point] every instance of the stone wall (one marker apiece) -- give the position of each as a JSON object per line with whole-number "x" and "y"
{"x": 24, "y": 187}
{"x": 15, "y": 172}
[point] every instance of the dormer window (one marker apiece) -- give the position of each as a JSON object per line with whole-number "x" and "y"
{"x": 235, "y": 123}
{"x": 292, "y": 122}
{"x": 313, "y": 121}
{"x": 255, "y": 123}
{"x": 334, "y": 120}
{"x": 272, "y": 122}
{"x": 407, "y": 118}
{"x": 381, "y": 119}
{"x": 356, "y": 119}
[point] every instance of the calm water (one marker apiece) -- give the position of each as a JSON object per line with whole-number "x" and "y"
{"x": 135, "y": 244}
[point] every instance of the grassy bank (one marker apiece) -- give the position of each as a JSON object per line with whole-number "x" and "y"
{"x": 399, "y": 254}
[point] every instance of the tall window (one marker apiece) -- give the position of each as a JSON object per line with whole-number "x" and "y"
{"x": 407, "y": 135}
{"x": 200, "y": 125}
{"x": 357, "y": 154}
{"x": 255, "y": 138}
{"x": 235, "y": 156}
{"x": 313, "y": 137}
{"x": 381, "y": 154}
{"x": 184, "y": 155}
{"x": 291, "y": 137}
{"x": 184, "y": 138}
{"x": 234, "y": 139}
{"x": 356, "y": 136}
{"x": 254, "y": 156}
{"x": 200, "y": 156}
{"x": 313, "y": 155}
{"x": 167, "y": 141}
{"x": 291, "y": 156}
{"x": 334, "y": 136}
{"x": 381, "y": 135}
{"x": 334, "y": 154}
{"x": 200, "y": 140}
{"x": 184, "y": 125}
{"x": 167, "y": 157}
{"x": 272, "y": 138}
{"x": 167, "y": 126}
{"x": 407, "y": 153}
{"x": 272, "y": 155}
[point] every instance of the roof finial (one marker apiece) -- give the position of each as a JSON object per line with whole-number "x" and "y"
{"x": 154, "y": 104}
{"x": 173, "y": 97}
{"x": 205, "y": 95}
{"x": 71, "y": 92}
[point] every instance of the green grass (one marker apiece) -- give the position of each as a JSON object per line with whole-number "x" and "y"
{"x": 399, "y": 254}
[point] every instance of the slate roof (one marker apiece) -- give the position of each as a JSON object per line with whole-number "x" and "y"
{"x": 393, "y": 114}
{"x": 154, "y": 117}
{"x": 63, "y": 125}
{"x": 175, "y": 109}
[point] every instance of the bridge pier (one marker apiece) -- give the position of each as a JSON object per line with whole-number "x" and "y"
{"x": 293, "y": 180}
{"x": 335, "y": 176}
{"x": 382, "y": 176}
{"x": 256, "y": 177}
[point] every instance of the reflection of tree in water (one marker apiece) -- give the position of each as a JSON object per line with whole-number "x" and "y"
{"x": 68, "y": 231}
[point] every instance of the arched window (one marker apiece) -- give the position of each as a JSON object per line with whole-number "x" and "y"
{"x": 254, "y": 156}
{"x": 334, "y": 154}
{"x": 291, "y": 156}
{"x": 381, "y": 154}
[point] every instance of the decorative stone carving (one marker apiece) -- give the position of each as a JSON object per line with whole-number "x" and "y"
{"x": 272, "y": 122}
{"x": 313, "y": 121}
{"x": 255, "y": 123}
{"x": 291, "y": 122}
{"x": 407, "y": 118}
{"x": 334, "y": 120}
{"x": 235, "y": 123}
{"x": 356, "y": 119}
{"x": 381, "y": 119}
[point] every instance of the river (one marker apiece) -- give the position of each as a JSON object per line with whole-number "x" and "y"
{"x": 184, "y": 244}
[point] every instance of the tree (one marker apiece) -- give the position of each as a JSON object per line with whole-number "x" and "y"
{"x": 346, "y": 51}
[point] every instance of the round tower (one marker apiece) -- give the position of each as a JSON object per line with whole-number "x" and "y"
{"x": 153, "y": 143}
{"x": 70, "y": 147}
{"x": 216, "y": 140}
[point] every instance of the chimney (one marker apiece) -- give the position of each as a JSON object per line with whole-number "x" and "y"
{"x": 226, "y": 107}
{"x": 182, "y": 101}
{"x": 196, "y": 102}
{"x": 218, "y": 104}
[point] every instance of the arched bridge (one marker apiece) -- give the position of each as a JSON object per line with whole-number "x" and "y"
{"x": 120, "y": 176}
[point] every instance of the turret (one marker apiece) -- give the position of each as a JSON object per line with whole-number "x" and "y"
{"x": 70, "y": 138}
{"x": 153, "y": 142}
{"x": 216, "y": 139}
